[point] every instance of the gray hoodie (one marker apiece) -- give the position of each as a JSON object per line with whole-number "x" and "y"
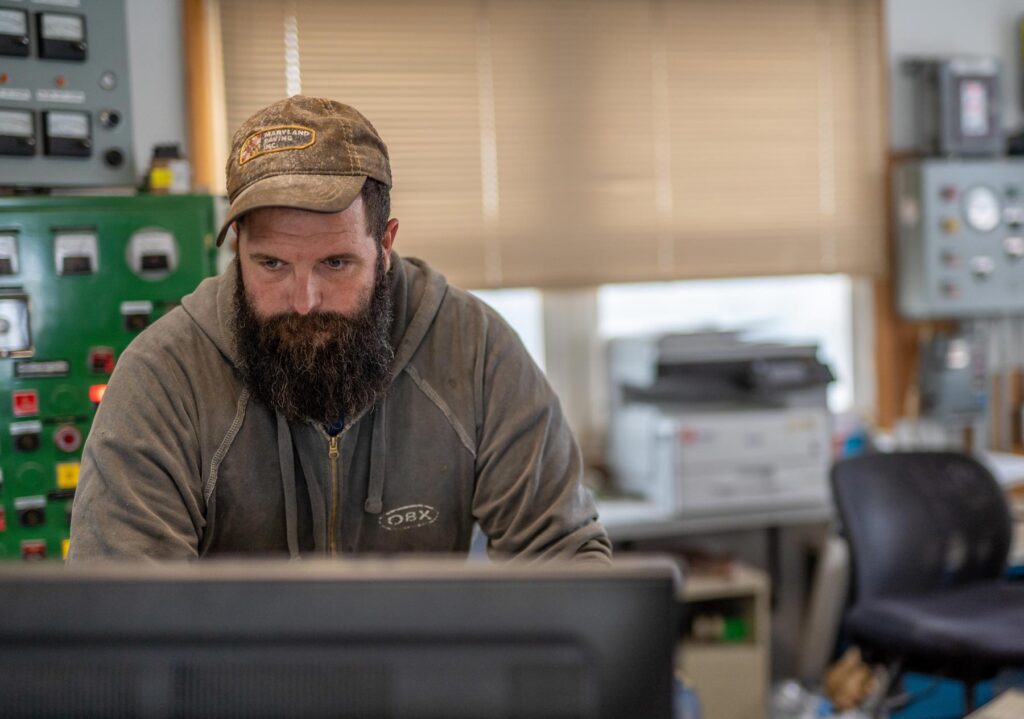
{"x": 181, "y": 462}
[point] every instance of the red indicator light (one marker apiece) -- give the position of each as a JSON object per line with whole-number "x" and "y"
{"x": 33, "y": 549}
{"x": 3, "y": 77}
{"x": 688, "y": 435}
{"x": 25, "y": 403}
{"x": 96, "y": 393}
{"x": 59, "y": 81}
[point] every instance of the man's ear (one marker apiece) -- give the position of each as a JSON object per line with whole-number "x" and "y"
{"x": 388, "y": 241}
{"x": 236, "y": 230}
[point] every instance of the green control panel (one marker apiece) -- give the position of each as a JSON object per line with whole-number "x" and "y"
{"x": 80, "y": 277}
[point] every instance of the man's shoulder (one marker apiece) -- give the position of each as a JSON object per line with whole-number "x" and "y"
{"x": 174, "y": 339}
{"x": 171, "y": 331}
{"x": 173, "y": 357}
{"x": 465, "y": 307}
{"x": 463, "y": 329}
{"x": 457, "y": 306}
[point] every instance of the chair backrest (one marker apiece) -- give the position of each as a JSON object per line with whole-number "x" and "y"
{"x": 918, "y": 521}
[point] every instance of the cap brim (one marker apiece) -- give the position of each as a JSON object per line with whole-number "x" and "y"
{"x": 317, "y": 193}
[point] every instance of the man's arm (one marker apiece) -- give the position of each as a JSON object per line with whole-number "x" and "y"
{"x": 140, "y": 494}
{"x": 529, "y": 498}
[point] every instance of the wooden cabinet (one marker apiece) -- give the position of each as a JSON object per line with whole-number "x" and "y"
{"x": 730, "y": 676}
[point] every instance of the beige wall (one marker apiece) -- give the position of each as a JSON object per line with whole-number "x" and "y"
{"x": 156, "y": 62}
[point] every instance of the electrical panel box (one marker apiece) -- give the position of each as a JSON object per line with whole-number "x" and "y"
{"x": 954, "y": 378}
{"x": 958, "y": 106}
{"x": 960, "y": 237}
{"x": 65, "y": 105}
{"x": 80, "y": 277}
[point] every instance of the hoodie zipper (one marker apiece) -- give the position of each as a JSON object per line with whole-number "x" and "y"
{"x": 332, "y": 454}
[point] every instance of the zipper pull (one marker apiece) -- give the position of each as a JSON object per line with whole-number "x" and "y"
{"x": 332, "y": 451}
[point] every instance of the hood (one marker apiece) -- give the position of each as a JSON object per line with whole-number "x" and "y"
{"x": 416, "y": 292}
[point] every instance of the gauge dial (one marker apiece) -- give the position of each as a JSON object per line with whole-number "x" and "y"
{"x": 981, "y": 209}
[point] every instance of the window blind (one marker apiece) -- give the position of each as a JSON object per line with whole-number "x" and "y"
{"x": 577, "y": 142}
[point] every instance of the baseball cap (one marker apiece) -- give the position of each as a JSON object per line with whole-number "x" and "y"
{"x": 309, "y": 153}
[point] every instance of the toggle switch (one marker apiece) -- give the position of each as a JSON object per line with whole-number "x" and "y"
{"x": 1014, "y": 247}
{"x": 136, "y": 315}
{"x": 25, "y": 436}
{"x": 982, "y": 267}
{"x": 31, "y": 511}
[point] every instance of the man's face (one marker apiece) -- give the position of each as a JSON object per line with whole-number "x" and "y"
{"x": 313, "y": 311}
{"x": 295, "y": 261}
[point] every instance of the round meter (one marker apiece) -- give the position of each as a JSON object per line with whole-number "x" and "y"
{"x": 981, "y": 209}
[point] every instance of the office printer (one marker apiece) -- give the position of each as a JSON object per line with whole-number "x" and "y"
{"x": 711, "y": 424}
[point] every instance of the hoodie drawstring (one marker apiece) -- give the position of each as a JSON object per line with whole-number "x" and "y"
{"x": 310, "y": 467}
{"x": 286, "y": 460}
{"x": 378, "y": 459}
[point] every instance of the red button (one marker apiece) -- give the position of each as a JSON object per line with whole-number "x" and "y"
{"x": 25, "y": 403}
{"x": 33, "y": 549}
{"x": 101, "y": 360}
{"x": 67, "y": 438}
{"x": 3, "y": 520}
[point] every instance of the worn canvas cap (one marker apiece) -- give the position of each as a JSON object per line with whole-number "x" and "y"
{"x": 303, "y": 152}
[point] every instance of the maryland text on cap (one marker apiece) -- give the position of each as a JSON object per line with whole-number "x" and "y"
{"x": 304, "y": 152}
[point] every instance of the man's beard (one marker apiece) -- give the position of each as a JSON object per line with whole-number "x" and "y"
{"x": 318, "y": 367}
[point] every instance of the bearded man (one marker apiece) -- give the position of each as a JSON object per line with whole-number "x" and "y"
{"x": 325, "y": 396}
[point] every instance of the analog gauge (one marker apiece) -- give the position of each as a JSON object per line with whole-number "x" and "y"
{"x": 1014, "y": 247}
{"x": 981, "y": 209}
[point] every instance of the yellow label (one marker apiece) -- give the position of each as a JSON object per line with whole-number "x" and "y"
{"x": 160, "y": 178}
{"x": 64, "y": 544}
{"x": 67, "y": 475}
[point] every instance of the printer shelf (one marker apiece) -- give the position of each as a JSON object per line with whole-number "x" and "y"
{"x": 730, "y": 677}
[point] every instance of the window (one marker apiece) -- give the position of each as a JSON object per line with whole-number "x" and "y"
{"x": 570, "y": 143}
{"x": 804, "y": 309}
{"x": 522, "y": 309}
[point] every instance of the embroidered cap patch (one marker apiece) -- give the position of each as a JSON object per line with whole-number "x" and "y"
{"x": 275, "y": 139}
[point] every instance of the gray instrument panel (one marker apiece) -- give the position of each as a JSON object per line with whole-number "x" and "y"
{"x": 960, "y": 237}
{"x": 65, "y": 103}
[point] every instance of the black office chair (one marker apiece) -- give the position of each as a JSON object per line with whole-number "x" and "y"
{"x": 929, "y": 535}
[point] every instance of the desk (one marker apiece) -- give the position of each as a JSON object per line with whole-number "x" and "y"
{"x": 1008, "y": 469}
{"x": 632, "y": 520}
{"x": 1017, "y": 549}
{"x": 779, "y": 540}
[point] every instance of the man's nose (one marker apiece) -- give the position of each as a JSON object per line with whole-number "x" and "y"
{"x": 306, "y": 295}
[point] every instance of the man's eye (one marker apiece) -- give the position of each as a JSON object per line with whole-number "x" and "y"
{"x": 271, "y": 264}
{"x": 335, "y": 263}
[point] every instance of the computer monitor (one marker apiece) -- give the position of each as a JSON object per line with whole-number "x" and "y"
{"x": 317, "y": 638}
